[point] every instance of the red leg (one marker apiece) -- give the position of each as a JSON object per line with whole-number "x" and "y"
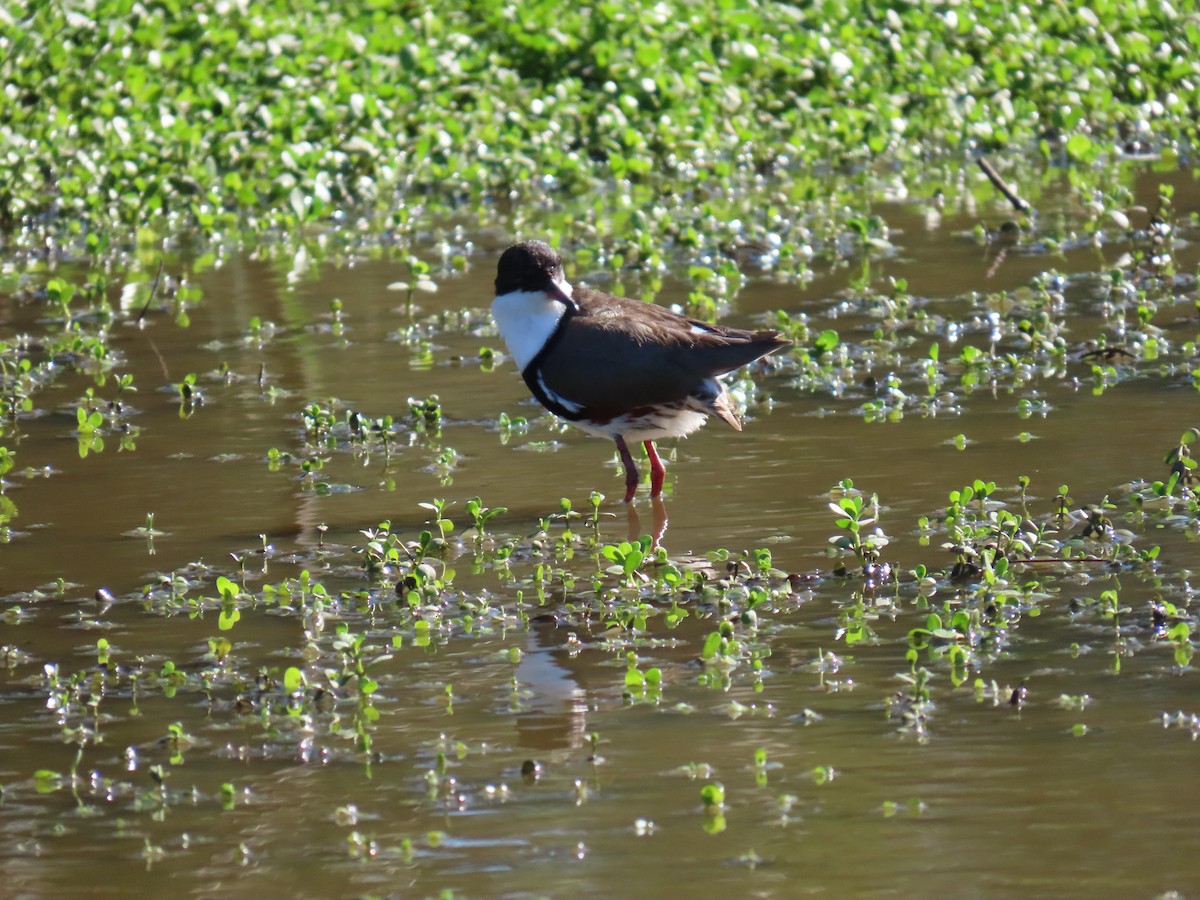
{"x": 631, "y": 472}
{"x": 658, "y": 472}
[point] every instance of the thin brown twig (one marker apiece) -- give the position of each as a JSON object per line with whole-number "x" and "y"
{"x": 162, "y": 362}
{"x": 153, "y": 346}
{"x": 153, "y": 291}
{"x": 994, "y": 177}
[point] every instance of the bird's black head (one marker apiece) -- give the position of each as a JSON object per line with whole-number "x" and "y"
{"x": 528, "y": 266}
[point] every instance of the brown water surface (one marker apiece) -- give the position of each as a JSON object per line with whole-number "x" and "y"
{"x": 1059, "y": 797}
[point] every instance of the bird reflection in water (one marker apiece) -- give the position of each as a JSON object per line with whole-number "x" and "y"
{"x": 553, "y": 706}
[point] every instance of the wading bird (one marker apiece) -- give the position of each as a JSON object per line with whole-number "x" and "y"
{"x": 617, "y": 368}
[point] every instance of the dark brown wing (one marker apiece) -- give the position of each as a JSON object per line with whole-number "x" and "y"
{"x": 615, "y": 353}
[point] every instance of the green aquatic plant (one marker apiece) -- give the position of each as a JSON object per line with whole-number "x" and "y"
{"x": 642, "y": 685}
{"x": 89, "y": 431}
{"x": 511, "y": 426}
{"x": 174, "y": 149}
{"x": 481, "y": 515}
{"x": 853, "y": 621}
{"x": 1180, "y": 461}
{"x": 319, "y": 421}
{"x": 854, "y": 514}
{"x": 626, "y": 558}
{"x": 18, "y": 383}
{"x": 426, "y": 415}
{"x": 712, "y": 795}
{"x": 441, "y": 523}
{"x": 913, "y": 705}
{"x": 229, "y": 593}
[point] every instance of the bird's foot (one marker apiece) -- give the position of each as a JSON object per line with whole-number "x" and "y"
{"x": 631, "y": 472}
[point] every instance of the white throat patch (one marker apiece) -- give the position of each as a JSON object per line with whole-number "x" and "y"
{"x": 526, "y": 319}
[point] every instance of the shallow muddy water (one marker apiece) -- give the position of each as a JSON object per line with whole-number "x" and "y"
{"x": 1086, "y": 788}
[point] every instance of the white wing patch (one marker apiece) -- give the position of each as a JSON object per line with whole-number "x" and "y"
{"x": 568, "y": 405}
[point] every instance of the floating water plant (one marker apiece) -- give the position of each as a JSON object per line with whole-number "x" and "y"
{"x": 853, "y": 514}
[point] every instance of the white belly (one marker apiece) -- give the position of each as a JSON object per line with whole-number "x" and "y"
{"x": 654, "y": 426}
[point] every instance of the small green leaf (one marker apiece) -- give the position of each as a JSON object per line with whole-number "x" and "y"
{"x": 713, "y": 794}
{"x": 293, "y": 679}
{"x": 1080, "y": 147}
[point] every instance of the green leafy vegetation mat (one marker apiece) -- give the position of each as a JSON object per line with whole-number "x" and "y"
{"x": 235, "y": 120}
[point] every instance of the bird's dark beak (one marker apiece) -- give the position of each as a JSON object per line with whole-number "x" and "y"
{"x": 561, "y": 291}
